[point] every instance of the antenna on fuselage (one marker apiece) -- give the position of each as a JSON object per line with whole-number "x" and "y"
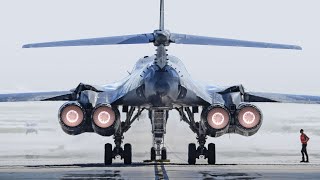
{"x": 161, "y": 26}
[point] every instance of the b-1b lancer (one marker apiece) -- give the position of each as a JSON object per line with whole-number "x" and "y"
{"x": 160, "y": 84}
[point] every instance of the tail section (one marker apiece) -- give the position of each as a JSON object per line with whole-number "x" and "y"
{"x": 128, "y": 39}
{"x": 213, "y": 41}
{"x": 161, "y": 37}
{"x": 161, "y": 27}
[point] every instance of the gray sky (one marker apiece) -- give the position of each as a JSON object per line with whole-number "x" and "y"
{"x": 286, "y": 21}
{"x": 283, "y": 71}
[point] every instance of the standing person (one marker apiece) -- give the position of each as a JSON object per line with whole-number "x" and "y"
{"x": 304, "y": 141}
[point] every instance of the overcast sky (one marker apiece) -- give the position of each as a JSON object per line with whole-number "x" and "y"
{"x": 267, "y": 70}
{"x": 285, "y": 21}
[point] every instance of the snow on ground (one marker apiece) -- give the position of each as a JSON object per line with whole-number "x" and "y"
{"x": 277, "y": 142}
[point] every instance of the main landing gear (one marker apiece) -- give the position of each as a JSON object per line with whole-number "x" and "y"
{"x": 126, "y": 152}
{"x": 195, "y": 152}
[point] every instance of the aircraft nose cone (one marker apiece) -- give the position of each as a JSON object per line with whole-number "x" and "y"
{"x": 162, "y": 88}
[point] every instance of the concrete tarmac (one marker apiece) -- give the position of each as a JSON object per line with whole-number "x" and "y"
{"x": 33, "y": 146}
{"x": 162, "y": 171}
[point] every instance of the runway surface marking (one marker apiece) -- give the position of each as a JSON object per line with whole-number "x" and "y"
{"x": 160, "y": 174}
{"x": 161, "y": 171}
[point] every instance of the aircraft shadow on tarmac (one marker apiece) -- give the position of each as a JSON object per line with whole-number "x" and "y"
{"x": 106, "y": 174}
{"x": 159, "y": 168}
{"x": 139, "y": 164}
{"x": 119, "y": 165}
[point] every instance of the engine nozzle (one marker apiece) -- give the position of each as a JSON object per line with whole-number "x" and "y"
{"x": 105, "y": 119}
{"x": 216, "y": 119}
{"x": 248, "y": 119}
{"x": 72, "y": 118}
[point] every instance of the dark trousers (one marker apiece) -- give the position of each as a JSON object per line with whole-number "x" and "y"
{"x": 304, "y": 152}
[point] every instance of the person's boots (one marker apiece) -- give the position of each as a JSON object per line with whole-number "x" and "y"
{"x": 302, "y": 159}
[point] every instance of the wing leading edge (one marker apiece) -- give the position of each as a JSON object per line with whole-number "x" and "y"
{"x": 281, "y": 98}
{"x": 50, "y": 96}
{"x": 37, "y": 96}
{"x": 265, "y": 97}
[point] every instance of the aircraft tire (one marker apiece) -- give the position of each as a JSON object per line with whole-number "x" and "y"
{"x": 211, "y": 154}
{"x": 164, "y": 153}
{"x": 108, "y": 154}
{"x": 192, "y": 154}
{"x": 153, "y": 154}
{"x": 127, "y": 152}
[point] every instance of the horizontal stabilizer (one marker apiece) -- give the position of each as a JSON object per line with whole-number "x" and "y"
{"x": 202, "y": 40}
{"x": 162, "y": 38}
{"x": 129, "y": 39}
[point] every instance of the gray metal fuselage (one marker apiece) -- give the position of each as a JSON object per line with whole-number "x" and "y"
{"x": 152, "y": 86}
{"x": 161, "y": 86}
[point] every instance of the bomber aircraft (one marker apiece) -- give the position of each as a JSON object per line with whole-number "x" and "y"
{"x": 159, "y": 84}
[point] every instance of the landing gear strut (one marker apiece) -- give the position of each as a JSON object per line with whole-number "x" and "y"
{"x": 158, "y": 121}
{"x": 126, "y": 152}
{"x": 195, "y": 153}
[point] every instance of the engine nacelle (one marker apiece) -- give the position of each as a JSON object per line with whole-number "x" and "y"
{"x": 248, "y": 120}
{"x": 215, "y": 120}
{"x": 72, "y": 118}
{"x": 105, "y": 120}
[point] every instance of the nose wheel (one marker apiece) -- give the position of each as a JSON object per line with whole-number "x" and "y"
{"x": 164, "y": 153}
{"x": 158, "y": 121}
{"x": 153, "y": 154}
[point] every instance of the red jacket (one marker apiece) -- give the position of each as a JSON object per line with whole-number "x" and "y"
{"x": 304, "y": 138}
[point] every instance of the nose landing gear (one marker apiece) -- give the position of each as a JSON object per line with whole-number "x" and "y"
{"x": 158, "y": 120}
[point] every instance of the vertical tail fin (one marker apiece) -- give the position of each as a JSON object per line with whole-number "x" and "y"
{"x": 161, "y": 27}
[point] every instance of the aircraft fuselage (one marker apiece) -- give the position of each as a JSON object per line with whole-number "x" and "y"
{"x": 161, "y": 85}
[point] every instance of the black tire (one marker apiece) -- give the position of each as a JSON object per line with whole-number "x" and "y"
{"x": 153, "y": 154}
{"x": 127, "y": 152}
{"x": 164, "y": 153}
{"x": 211, "y": 154}
{"x": 108, "y": 154}
{"x": 192, "y": 154}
